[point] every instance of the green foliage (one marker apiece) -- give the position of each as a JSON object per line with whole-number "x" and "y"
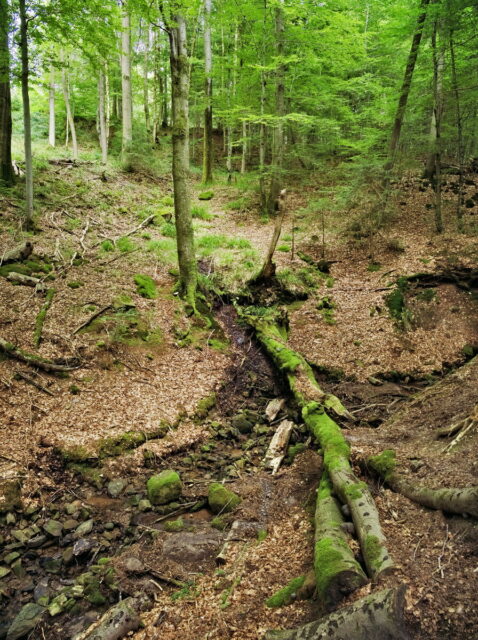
{"x": 285, "y": 595}
{"x": 199, "y": 211}
{"x": 146, "y": 286}
{"x": 168, "y": 229}
{"x": 107, "y": 246}
{"x": 125, "y": 245}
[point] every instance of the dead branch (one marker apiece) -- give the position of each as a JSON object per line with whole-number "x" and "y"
{"x": 28, "y": 281}
{"x": 23, "y": 376}
{"x": 34, "y": 360}
{"x": 95, "y": 315}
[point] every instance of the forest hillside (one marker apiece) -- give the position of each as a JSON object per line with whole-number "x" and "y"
{"x": 238, "y": 328}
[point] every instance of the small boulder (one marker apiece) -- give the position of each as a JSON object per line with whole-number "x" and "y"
{"x": 54, "y": 528}
{"x": 221, "y": 499}
{"x": 164, "y": 487}
{"x": 84, "y": 529}
{"x": 206, "y": 195}
{"x": 241, "y": 423}
{"x": 115, "y": 487}
{"x": 26, "y": 620}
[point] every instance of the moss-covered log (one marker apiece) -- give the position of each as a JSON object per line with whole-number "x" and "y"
{"x": 36, "y": 361}
{"x": 314, "y": 403}
{"x": 40, "y": 319}
{"x": 116, "y": 623}
{"x": 336, "y": 570}
{"x": 378, "y": 616}
{"x": 447, "y": 499}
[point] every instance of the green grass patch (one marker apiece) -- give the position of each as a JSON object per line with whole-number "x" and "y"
{"x": 200, "y": 212}
{"x": 145, "y": 286}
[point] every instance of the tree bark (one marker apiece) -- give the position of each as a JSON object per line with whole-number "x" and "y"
{"x": 459, "y": 134}
{"x": 102, "y": 114}
{"x": 448, "y": 499}
{"x": 244, "y": 147}
{"x": 147, "y": 118}
{"x": 34, "y": 360}
{"x": 268, "y": 268}
{"x": 69, "y": 113}
{"x": 6, "y": 168}
{"x": 438, "y": 64}
{"x": 337, "y": 572}
{"x": 126, "y": 94}
{"x": 406, "y": 84}
{"x": 232, "y": 95}
{"x": 180, "y": 137}
{"x": 26, "y": 117}
{"x": 51, "y": 109}
{"x": 315, "y": 406}
{"x": 378, "y": 616}
{"x": 208, "y": 140}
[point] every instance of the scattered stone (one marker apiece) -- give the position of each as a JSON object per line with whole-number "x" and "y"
{"x": 164, "y": 487}
{"x": 11, "y": 557}
{"x": 73, "y": 507}
{"x": 133, "y": 565}
{"x": 4, "y": 571}
{"x": 144, "y": 505}
{"x": 221, "y": 499}
{"x": 18, "y": 569}
{"x": 273, "y": 408}
{"x": 67, "y": 555}
{"x": 83, "y": 546}
{"x": 84, "y": 528}
{"x": 115, "y": 487}
{"x": 70, "y": 524}
{"x": 241, "y": 423}
{"x": 192, "y": 550}
{"x": 416, "y": 465}
{"x": 22, "y": 535}
{"x": 51, "y": 564}
{"x": 109, "y": 526}
{"x": 174, "y": 525}
{"x": 10, "y": 519}
{"x": 36, "y": 541}
{"x": 42, "y": 592}
{"x": 26, "y": 620}
{"x": 54, "y": 528}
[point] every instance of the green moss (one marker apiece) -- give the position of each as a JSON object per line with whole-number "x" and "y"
{"x": 164, "y": 487}
{"x": 168, "y": 201}
{"x": 107, "y": 246}
{"x": 206, "y": 195}
{"x": 125, "y": 245}
{"x": 427, "y": 295}
{"x": 294, "y": 450}
{"x": 200, "y": 212}
{"x": 40, "y": 319}
{"x": 168, "y": 229}
{"x": 285, "y": 595}
{"x": 218, "y": 522}
{"x": 221, "y": 499}
{"x": 384, "y": 464}
{"x": 374, "y": 266}
{"x": 355, "y": 491}
{"x": 15, "y": 267}
{"x": 372, "y": 550}
{"x": 329, "y": 562}
{"x": 92, "y": 475}
{"x": 284, "y": 248}
{"x": 117, "y": 445}
{"x": 146, "y": 286}
{"x": 261, "y": 535}
{"x": 75, "y": 284}
{"x": 76, "y": 453}
{"x": 205, "y": 405}
{"x": 174, "y": 526}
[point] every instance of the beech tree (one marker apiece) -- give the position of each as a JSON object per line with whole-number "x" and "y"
{"x": 6, "y": 170}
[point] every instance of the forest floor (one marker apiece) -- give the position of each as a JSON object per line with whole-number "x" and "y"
{"x": 156, "y": 390}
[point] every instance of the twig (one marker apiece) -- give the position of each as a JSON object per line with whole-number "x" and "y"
{"x": 90, "y": 319}
{"x": 182, "y": 508}
{"x": 32, "y": 381}
{"x": 163, "y": 578}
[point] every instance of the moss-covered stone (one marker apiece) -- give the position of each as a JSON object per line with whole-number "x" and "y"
{"x": 221, "y": 499}
{"x": 164, "y": 487}
{"x": 145, "y": 286}
{"x": 10, "y": 495}
{"x": 294, "y": 450}
{"x": 287, "y": 594}
{"x": 205, "y": 405}
{"x": 206, "y": 195}
{"x": 77, "y": 453}
{"x": 174, "y": 526}
{"x": 384, "y": 464}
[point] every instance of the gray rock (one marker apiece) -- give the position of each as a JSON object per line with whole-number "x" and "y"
{"x": 241, "y": 423}
{"x": 144, "y": 505}
{"x": 133, "y": 565}
{"x": 27, "y": 619}
{"x": 84, "y": 529}
{"x": 83, "y": 546}
{"x": 192, "y": 550}
{"x": 115, "y": 487}
{"x": 54, "y": 528}
{"x": 42, "y": 590}
{"x": 36, "y": 542}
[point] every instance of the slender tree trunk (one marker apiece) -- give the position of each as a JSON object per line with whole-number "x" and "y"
{"x": 6, "y": 169}
{"x": 438, "y": 64}
{"x": 262, "y": 126}
{"x": 180, "y": 138}
{"x": 146, "y": 81}
{"x": 51, "y": 109}
{"x": 208, "y": 140}
{"x": 102, "y": 114}
{"x": 126, "y": 94}
{"x": 69, "y": 114}
{"x": 278, "y": 134}
{"x": 407, "y": 82}
{"x": 244, "y": 147}
{"x": 232, "y": 95}
{"x": 429, "y": 172}
{"x": 26, "y": 117}
{"x": 459, "y": 133}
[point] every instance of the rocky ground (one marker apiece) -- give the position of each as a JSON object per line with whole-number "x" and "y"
{"x": 156, "y": 391}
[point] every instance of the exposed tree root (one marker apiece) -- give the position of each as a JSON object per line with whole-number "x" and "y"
{"x": 40, "y": 319}
{"x": 314, "y": 402}
{"x": 36, "y": 361}
{"x": 375, "y": 617}
{"x": 450, "y": 500}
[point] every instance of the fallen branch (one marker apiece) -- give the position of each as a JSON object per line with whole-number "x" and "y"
{"x": 378, "y": 616}
{"x": 451, "y": 500}
{"x": 34, "y": 360}
{"x": 40, "y": 319}
{"x": 278, "y": 446}
{"x": 28, "y": 281}
{"x": 23, "y": 376}
{"x": 95, "y": 315}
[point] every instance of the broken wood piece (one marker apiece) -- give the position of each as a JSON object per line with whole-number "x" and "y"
{"x": 20, "y": 375}
{"x": 36, "y": 361}
{"x": 40, "y": 319}
{"x": 268, "y": 268}
{"x": 18, "y": 254}
{"x": 337, "y": 572}
{"x": 448, "y": 499}
{"x": 273, "y": 408}
{"x": 379, "y": 616}
{"x": 28, "y": 281}
{"x": 118, "y": 621}
{"x": 278, "y": 446}
{"x": 95, "y": 315}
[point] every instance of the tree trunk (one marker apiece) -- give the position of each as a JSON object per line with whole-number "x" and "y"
{"x": 447, "y": 499}
{"x": 26, "y": 117}
{"x": 278, "y": 133}
{"x": 407, "y": 82}
{"x": 69, "y": 114}
{"x": 438, "y": 64}
{"x": 268, "y": 268}
{"x": 232, "y": 95}
{"x": 244, "y": 147}
{"x": 337, "y": 572}
{"x": 51, "y": 109}
{"x": 102, "y": 114}
{"x": 126, "y": 94}
{"x": 147, "y": 119}
{"x": 180, "y": 138}
{"x": 459, "y": 133}
{"x": 208, "y": 141}
{"x": 314, "y": 403}
{"x": 378, "y": 616}
{"x": 6, "y": 168}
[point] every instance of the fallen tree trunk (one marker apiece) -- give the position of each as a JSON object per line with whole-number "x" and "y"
{"x": 115, "y": 623}
{"x": 28, "y": 281}
{"x": 451, "y": 500}
{"x": 378, "y": 616}
{"x": 34, "y": 360}
{"x": 278, "y": 446}
{"x": 313, "y": 403}
{"x": 336, "y": 570}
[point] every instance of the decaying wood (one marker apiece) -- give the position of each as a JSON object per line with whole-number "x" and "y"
{"x": 378, "y": 616}
{"x": 34, "y": 360}
{"x": 278, "y": 446}
{"x": 337, "y": 571}
{"x": 240, "y": 531}
{"x": 274, "y": 408}
{"x": 28, "y": 281}
{"x": 18, "y": 254}
{"x": 316, "y": 407}
{"x": 451, "y": 500}
{"x": 95, "y": 315}
{"x": 462, "y": 428}
{"x": 115, "y": 623}
{"x": 268, "y": 268}
{"x": 40, "y": 319}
